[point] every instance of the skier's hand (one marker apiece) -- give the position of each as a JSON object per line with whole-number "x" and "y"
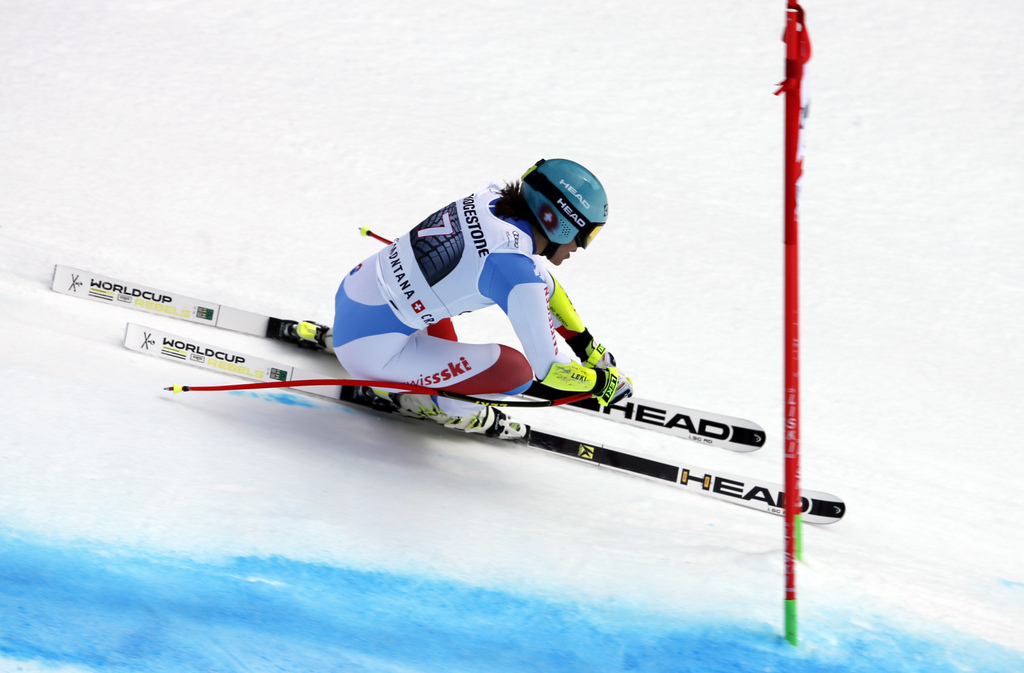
{"x": 598, "y": 357}
{"x": 591, "y": 353}
{"x": 623, "y": 390}
{"x": 611, "y": 386}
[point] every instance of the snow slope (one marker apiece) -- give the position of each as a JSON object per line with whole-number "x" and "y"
{"x": 230, "y": 150}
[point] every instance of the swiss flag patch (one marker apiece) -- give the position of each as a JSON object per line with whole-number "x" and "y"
{"x": 417, "y": 306}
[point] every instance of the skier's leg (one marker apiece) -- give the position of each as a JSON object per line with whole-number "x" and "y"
{"x": 370, "y": 342}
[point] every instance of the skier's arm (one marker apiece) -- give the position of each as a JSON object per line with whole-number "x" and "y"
{"x": 590, "y": 352}
{"x": 521, "y": 288}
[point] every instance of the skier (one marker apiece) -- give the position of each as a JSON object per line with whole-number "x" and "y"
{"x": 392, "y": 310}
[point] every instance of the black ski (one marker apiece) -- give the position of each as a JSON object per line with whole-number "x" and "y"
{"x": 765, "y": 496}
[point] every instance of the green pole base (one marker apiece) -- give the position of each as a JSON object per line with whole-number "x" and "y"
{"x": 791, "y": 622}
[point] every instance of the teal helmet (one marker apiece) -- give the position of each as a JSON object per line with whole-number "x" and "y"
{"x": 567, "y": 200}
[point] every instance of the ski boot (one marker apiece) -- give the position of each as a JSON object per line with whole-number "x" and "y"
{"x": 489, "y": 421}
{"x": 305, "y": 334}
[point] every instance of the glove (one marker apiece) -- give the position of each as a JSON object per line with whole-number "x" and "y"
{"x": 611, "y": 386}
{"x": 590, "y": 353}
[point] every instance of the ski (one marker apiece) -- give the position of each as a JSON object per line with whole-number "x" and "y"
{"x": 765, "y": 496}
{"x": 87, "y": 285}
{"x": 728, "y": 432}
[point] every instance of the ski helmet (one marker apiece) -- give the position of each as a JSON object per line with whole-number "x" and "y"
{"x": 567, "y": 200}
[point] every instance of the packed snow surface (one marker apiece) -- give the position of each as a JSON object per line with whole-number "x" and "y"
{"x": 231, "y": 150}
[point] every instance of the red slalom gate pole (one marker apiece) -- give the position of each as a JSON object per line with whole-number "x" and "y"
{"x": 798, "y": 52}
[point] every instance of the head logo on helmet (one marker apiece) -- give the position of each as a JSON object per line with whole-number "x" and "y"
{"x": 568, "y": 201}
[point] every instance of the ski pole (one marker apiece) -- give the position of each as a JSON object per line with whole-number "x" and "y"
{"x": 406, "y": 387}
{"x": 365, "y": 231}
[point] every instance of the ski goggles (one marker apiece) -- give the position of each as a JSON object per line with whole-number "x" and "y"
{"x": 588, "y": 234}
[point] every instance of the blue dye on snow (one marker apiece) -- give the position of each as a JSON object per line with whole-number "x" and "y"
{"x": 112, "y": 609}
{"x": 289, "y": 399}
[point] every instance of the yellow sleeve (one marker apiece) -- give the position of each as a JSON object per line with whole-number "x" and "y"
{"x": 563, "y": 310}
{"x": 571, "y": 377}
{"x": 575, "y": 378}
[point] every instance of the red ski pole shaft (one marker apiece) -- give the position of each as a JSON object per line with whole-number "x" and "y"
{"x": 387, "y": 385}
{"x": 420, "y": 390}
{"x": 365, "y": 231}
